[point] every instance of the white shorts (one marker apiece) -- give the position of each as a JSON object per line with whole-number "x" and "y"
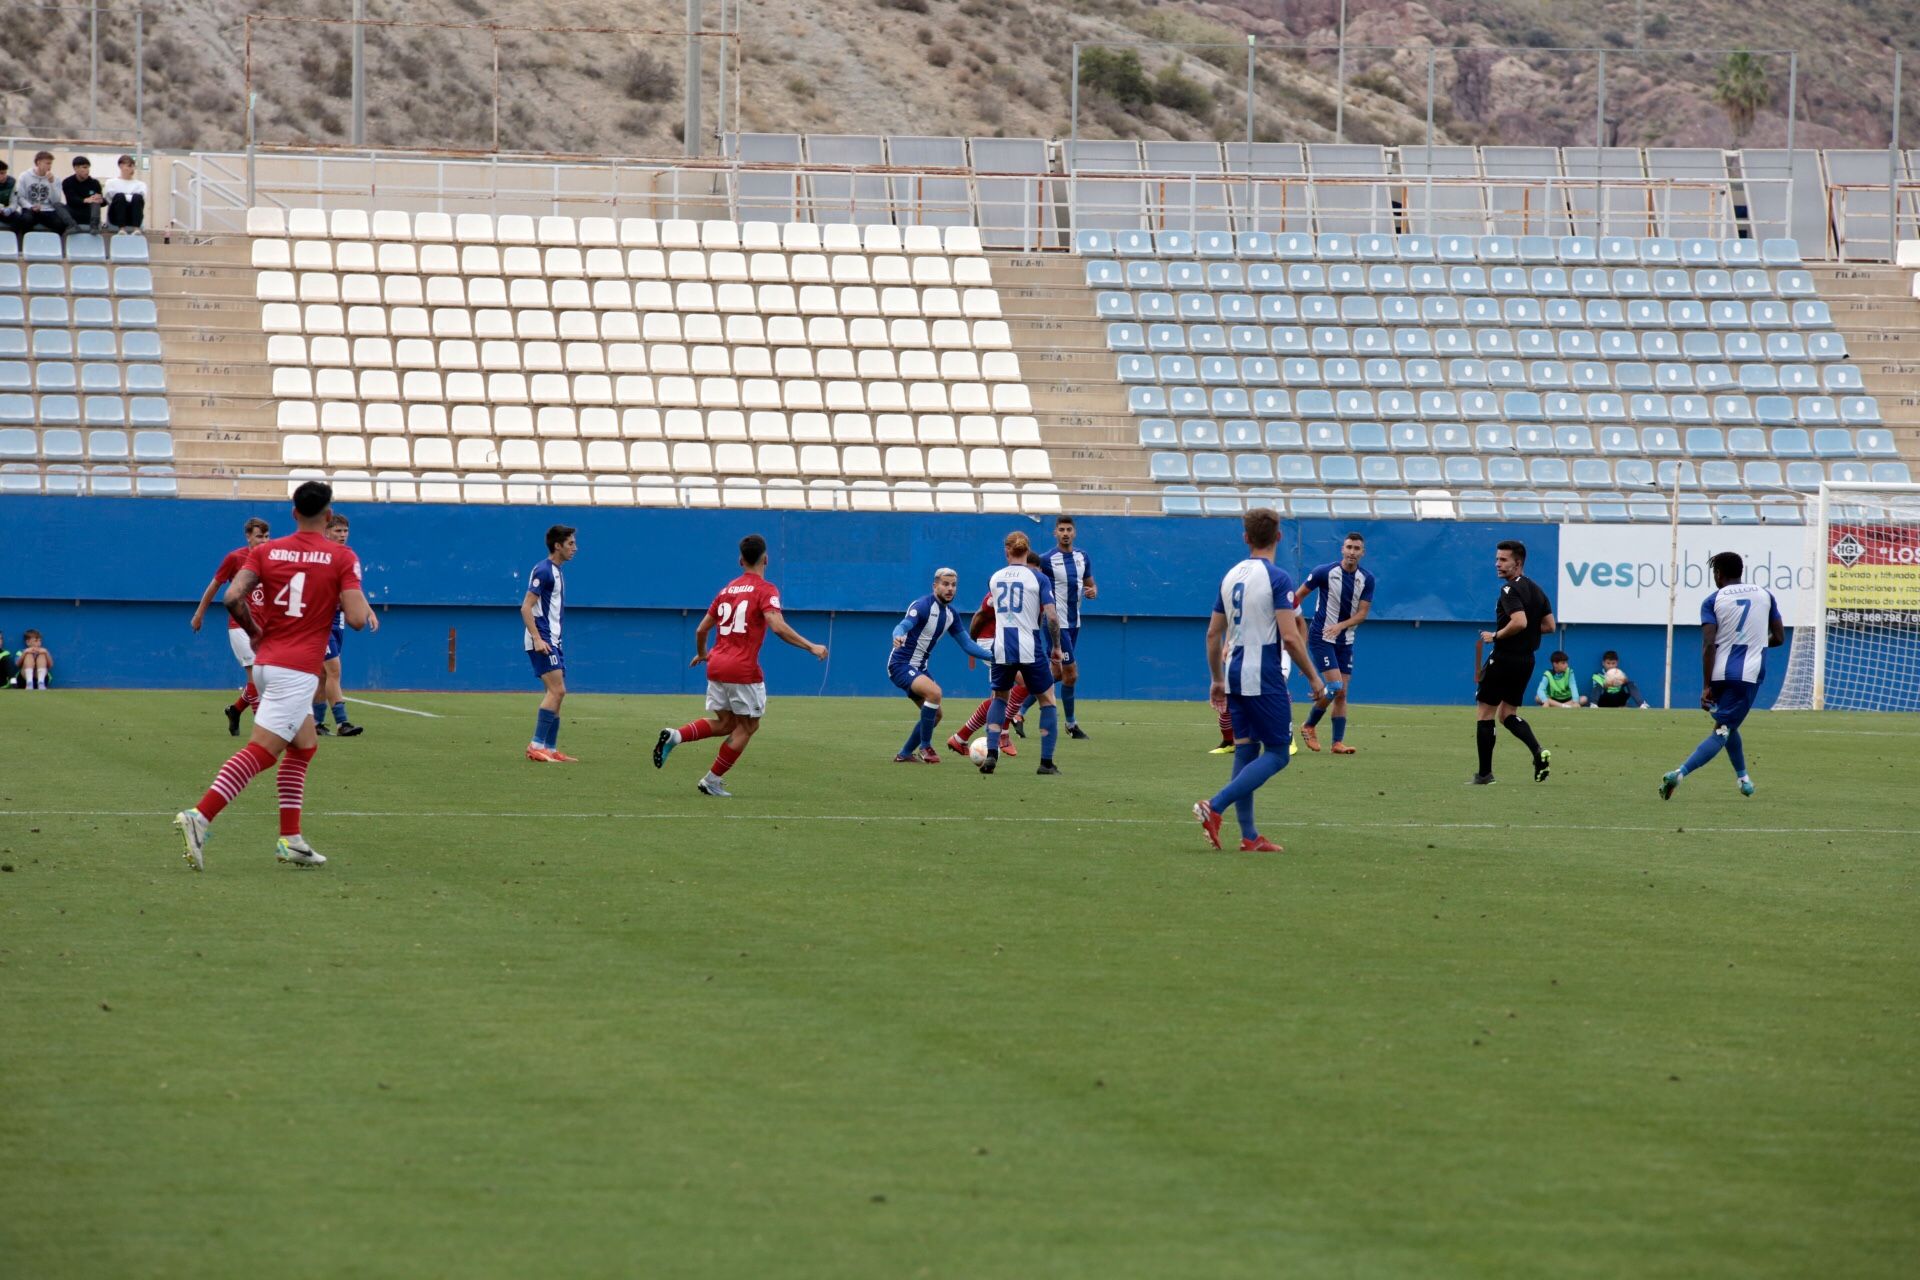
{"x": 286, "y": 700}
{"x": 749, "y": 700}
{"x": 242, "y": 646}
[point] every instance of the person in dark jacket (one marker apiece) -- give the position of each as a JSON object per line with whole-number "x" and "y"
{"x": 6, "y": 185}
{"x": 83, "y": 195}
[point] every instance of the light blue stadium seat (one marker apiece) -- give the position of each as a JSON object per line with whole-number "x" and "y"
{"x": 1105, "y": 274}
{"x": 1743, "y": 347}
{"x": 1889, "y": 473}
{"x": 1522, "y": 505}
{"x": 12, "y": 310}
{"x": 19, "y": 477}
{"x": 156, "y": 482}
{"x": 42, "y": 246}
{"x": 1740, "y": 253}
{"x": 1833, "y": 442}
{"x": 1214, "y": 244}
{"x": 1306, "y": 277}
{"x": 1531, "y": 438}
{"x": 93, "y": 313}
{"x": 1147, "y": 400}
{"x": 1155, "y": 305}
{"x": 1607, "y": 508}
{"x": 1293, "y": 246}
{"x": 1687, "y": 314}
{"x": 1672, "y": 284}
{"x": 1780, "y": 509}
{"x": 1549, "y": 473}
{"x": 1092, "y": 242}
{"x": 1733, "y": 410}
{"x": 101, "y": 375}
{"x": 55, "y": 375}
{"x": 1506, "y": 473}
{"x": 65, "y": 480}
{"x": 1240, "y": 433}
{"x": 1289, "y": 339}
{"x": 1736, "y": 510}
{"x": 1818, "y": 410}
{"x": 1762, "y": 474}
{"x": 1248, "y": 339}
{"x": 1701, "y": 345}
{"x": 1325, "y": 436}
{"x": 1563, "y": 406}
{"x": 96, "y": 344}
{"x": 1398, "y": 405}
{"x": 17, "y": 409}
{"x": 1198, "y": 306}
{"x": 1759, "y": 377}
{"x": 1334, "y": 246}
{"x": 1216, "y": 371}
{"x": 1347, "y": 278}
{"x": 62, "y": 446}
{"x": 1812, "y": 314}
{"x": 1592, "y": 283}
{"x": 1674, "y": 375}
{"x": 1423, "y": 374}
{"x": 1353, "y": 404}
{"x": 1259, "y": 371}
{"x": 1590, "y": 375}
{"x": 1452, "y": 437}
{"x": 1426, "y": 280}
{"x": 1284, "y": 435}
{"x": 1167, "y": 467}
{"x": 1849, "y": 472}
{"x": 1660, "y": 442}
{"x": 1479, "y": 406}
{"x": 1792, "y": 442}
{"x": 1618, "y": 344}
{"x": 128, "y": 249}
{"x": 1252, "y": 468}
{"x": 1578, "y": 250}
{"x": 1351, "y": 504}
{"x": 1422, "y": 469}
{"x": 1339, "y": 469}
{"x": 47, "y": 312}
{"x": 1875, "y": 443}
{"x": 1670, "y": 471}
{"x": 1619, "y": 441}
{"x": 1183, "y": 500}
{"x": 1563, "y": 313}
{"x": 1799, "y": 377}
{"x": 16, "y": 375}
{"x": 1415, "y": 247}
{"x": 1528, "y": 338}
{"x": 1296, "y": 468}
{"x": 1300, "y": 371}
{"x": 1794, "y": 284}
{"x": 1722, "y": 315}
{"x": 1331, "y": 340}
{"x": 1719, "y": 476}
{"x": 105, "y": 411}
{"x": 1464, "y": 470}
{"x": 1691, "y": 410}
{"x": 1631, "y": 282}
{"x": 1841, "y": 377}
{"x": 1309, "y": 504}
{"x": 13, "y": 342}
{"x": 9, "y": 244}
{"x": 149, "y": 411}
{"x": 17, "y": 444}
{"x": 1380, "y": 469}
{"x": 1230, "y": 402}
{"x": 1158, "y": 433}
{"x": 1126, "y": 337}
{"x": 1133, "y": 244}
{"x": 91, "y": 278}
{"x": 1272, "y": 402}
{"x": 133, "y": 282}
{"x": 1780, "y": 253}
{"x": 1861, "y": 411}
{"x": 85, "y": 248}
{"x": 1267, "y": 277}
{"x": 1408, "y": 437}
{"x": 1199, "y": 433}
{"x": 1114, "y": 303}
{"x": 1212, "y": 468}
{"x": 1166, "y": 337}
{"x": 1548, "y": 375}
{"x": 1367, "y": 437}
{"x": 1747, "y": 442}
{"x": 1713, "y": 284}
{"x": 112, "y": 482}
{"x": 1313, "y": 402}
{"x": 1479, "y": 504}
{"x": 1592, "y": 473}
{"x": 1648, "y": 510}
{"x": 1238, "y": 308}
{"x": 63, "y": 410}
{"x": 152, "y": 446}
{"x": 107, "y": 446}
{"x": 1633, "y": 473}
{"x": 1393, "y": 504}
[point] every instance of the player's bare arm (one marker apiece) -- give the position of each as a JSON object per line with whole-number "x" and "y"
{"x": 237, "y": 593}
{"x": 353, "y": 604}
{"x": 1709, "y": 639}
{"x": 1516, "y": 623}
{"x": 1360, "y": 613}
{"x": 206, "y": 602}
{"x": 1776, "y": 634}
{"x": 1216, "y": 669}
{"x": 1089, "y": 588}
{"x": 700, "y": 638}
{"x": 1293, "y": 635}
{"x": 1480, "y": 658}
{"x": 1549, "y": 625}
{"x": 777, "y": 623}
{"x": 1052, "y": 618}
{"x": 527, "y": 605}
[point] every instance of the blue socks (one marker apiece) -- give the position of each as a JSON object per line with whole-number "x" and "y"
{"x": 996, "y": 716}
{"x": 1049, "y": 730}
{"x": 1066, "y": 701}
{"x": 1313, "y": 716}
{"x": 546, "y": 731}
{"x": 339, "y": 713}
{"x": 1339, "y": 728}
{"x": 1250, "y": 772}
{"x": 319, "y": 713}
{"x": 1737, "y": 754}
{"x": 922, "y": 735}
{"x": 1709, "y": 748}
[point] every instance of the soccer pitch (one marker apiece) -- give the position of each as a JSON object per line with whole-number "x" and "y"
{"x": 868, "y": 1019}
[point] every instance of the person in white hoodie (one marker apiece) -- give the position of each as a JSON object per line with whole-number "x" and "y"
{"x": 126, "y": 201}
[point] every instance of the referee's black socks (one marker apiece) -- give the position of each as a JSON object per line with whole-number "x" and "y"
{"x": 1522, "y": 730}
{"x": 1485, "y": 731}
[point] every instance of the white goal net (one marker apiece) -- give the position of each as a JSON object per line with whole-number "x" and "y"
{"x": 1862, "y": 649}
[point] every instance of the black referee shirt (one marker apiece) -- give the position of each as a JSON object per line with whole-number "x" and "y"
{"x": 1521, "y": 594}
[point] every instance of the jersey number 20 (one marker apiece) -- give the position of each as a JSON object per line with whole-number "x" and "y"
{"x": 1009, "y": 597}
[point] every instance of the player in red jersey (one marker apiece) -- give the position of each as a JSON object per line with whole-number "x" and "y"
{"x": 257, "y": 533}
{"x": 744, "y": 611}
{"x": 284, "y": 598}
{"x": 981, "y": 628}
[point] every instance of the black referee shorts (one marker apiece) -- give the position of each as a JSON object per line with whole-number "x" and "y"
{"x": 1506, "y": 679}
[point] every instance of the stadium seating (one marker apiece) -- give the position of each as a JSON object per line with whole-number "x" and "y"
{"x": 641, "y": 361}
{"x": 83, "y": 390}
{"x": 1573, "y": 350}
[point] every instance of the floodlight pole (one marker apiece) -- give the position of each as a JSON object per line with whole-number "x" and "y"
{"x": 359, "y": 73}
{"x": 1252, "y": 217}
{"x": 1430, "y": 84}
{"x": 93, "y": 68}
{"x": 1793, "y": 111}
{"x": 1340, "y": 82}
{"x": 1673, "y": 585}
{"x": 720, "y": 95}
{"x": 1893, "y": 168}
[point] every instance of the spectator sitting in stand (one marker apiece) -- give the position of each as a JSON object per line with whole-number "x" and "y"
{"x": 36, "y": 664}
{"x": 1612, "y": 687}
{"x": 126, "y": 200}
{"x": 6, "y": 186}
{"x": 83, "y": 195}
{"x": 1556, "y": 685}
{"x": 36, "y": 201}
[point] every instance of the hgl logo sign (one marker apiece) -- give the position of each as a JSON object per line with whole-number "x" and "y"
{"x": 1848, "y": 551}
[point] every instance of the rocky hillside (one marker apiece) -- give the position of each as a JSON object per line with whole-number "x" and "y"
{"x": 975, "y": 67}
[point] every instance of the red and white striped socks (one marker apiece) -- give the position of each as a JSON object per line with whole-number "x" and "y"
{"x": 724, "y": 760}
{"x": 1015, "y": 699}
{"x": 249, "y": 699}
{"x": 233, "y": 778}
{"x": 694, "y": 732}
{"x": 292, "y": 776}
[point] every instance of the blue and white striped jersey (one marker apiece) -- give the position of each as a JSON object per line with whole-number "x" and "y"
{"x": 1742, "y": 612}
{"x": 1069, "y": 571}
{"x": 926, "y": 621}
{"x": 548, "y": 585}
{"x": 1340, "y": 595}
{"x": 1254, "y": 595}
{"x": 1018, "y": 594}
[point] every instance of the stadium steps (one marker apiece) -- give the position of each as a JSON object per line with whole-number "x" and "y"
{"x": 1873, "y": 308}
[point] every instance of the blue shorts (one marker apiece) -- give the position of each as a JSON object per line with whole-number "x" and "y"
{"x": 1732, "y": 699}
{"x": 1265, "y": 718}
{"x": 335, "y": 639}
{"x": 1331, "y": 657}
{"x": 1038, "y": 676}
{"x": 903, "y": 674}
{"x": 552, "y": 660}
{"x": 1069, "y": 641}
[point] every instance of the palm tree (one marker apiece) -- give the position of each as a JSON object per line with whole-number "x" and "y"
{"x": 1740, "y": 88}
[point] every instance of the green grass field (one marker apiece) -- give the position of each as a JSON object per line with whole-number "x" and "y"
{"x": 878, "y": 1020}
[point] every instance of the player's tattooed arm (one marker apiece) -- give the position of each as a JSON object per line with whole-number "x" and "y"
{"x": 1052, "y": 616}
{"x": 237, "y": 593}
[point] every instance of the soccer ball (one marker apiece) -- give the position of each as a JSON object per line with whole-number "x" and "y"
{"x": 1616, "y": 678}
{"x": 977, "y": 752}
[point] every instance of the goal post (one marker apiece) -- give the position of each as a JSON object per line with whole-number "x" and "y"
{"x": 1861, "y": 651}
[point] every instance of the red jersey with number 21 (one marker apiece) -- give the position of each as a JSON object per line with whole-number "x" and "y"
{"x": 740, "y": 625}
{"x": 301, "y": 579}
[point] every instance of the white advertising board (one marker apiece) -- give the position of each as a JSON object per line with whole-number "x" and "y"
{"x": 1623, "y": 573}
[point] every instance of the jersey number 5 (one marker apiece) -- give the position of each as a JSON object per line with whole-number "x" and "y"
{"x": 733, "y": 617}
{"x": 289, "y": 596}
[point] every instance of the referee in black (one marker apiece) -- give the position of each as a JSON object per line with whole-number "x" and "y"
{"x": 1520, "y": 617}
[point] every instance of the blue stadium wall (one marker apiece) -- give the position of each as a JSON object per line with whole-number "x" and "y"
{"x": 112, "y": 583}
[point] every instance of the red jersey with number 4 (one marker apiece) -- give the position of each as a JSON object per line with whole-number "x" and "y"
{"x": 301, "y": 579}
{"x": 740, "y": 625}
{"x": 235, "y": 561}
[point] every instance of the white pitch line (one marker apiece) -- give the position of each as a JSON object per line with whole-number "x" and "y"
{"x": 715, "y": 815}
{"x": 405, "y": 711}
